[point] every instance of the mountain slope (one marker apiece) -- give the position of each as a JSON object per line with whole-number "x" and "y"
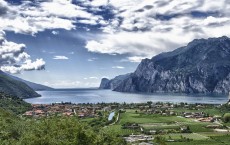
{"x": 34, "y": 86}
{"x": 14, "y": 87}
{"x": 203, "y": 66}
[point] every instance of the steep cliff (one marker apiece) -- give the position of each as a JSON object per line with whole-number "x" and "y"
{"x": 113, "y": 83}
{"x": 203, "y": 66}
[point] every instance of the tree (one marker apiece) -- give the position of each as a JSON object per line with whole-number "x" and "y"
{"x": 226, "y": 117}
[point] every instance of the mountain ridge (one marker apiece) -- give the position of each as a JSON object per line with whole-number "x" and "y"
{"x": 16, "y": 88}
{"x": 34, "y": 86}
{"x": 203, "y": 66}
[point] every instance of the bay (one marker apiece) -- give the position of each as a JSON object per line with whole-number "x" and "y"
{"x": 108, "y": 96}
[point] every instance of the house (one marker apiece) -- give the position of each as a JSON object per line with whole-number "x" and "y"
{"x": 67, "y": 113}
{"x": 208, "y": 119}
{"x": 152, "y": 131}
{"x": 38, "y": 112}
{"x": 28, "y": 113}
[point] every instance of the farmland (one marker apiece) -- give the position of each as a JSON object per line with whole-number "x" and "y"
{"x": 175, "y": 129}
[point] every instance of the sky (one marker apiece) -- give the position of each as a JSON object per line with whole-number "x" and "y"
{"x": 75, "y": 43}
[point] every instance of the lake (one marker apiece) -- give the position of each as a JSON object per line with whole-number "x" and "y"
{"x": 108, "y": 96}
{"x": 111, "y": 116}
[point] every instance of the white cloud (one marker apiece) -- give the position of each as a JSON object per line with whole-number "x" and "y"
{"x": 92, "y": 59}
{"x": 30, "y": 18}
{"x": 98, "y": 3}
{"x": 146, "y": 28}
{"x": 28, "y": 65}
{"x": 89, "y": 22}
{"x": 136, "y": 59}
{"x": 93, "y": 78}
{"x": 118, "y": 67}
{"x": 33, "y": 17}
{"x": 64, "y": 84}
{"x": 55, "y": 32}
{"x": 14, "y": 59}
{"x": 60, "y": 57}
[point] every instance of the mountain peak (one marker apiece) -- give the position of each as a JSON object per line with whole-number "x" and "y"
{"x": 203, "y": 66}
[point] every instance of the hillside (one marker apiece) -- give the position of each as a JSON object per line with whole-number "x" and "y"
{"x": 14, "y": 87}
{"x": 34, "y": 86}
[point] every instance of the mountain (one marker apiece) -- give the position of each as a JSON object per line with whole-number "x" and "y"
{"x": 34, "y": 86}
{"x": 113, "y": 83}
{"x": 203, "y": 66}
{"x": 14, "y": 87}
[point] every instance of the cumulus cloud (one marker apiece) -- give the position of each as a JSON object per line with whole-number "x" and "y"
{"x": 136, "y": 59}
{"x": 147, "y": 28}
{"x": 118, "y": 67}
{"x": 60, "y": 57}
{"x": 32, "y": 17}
{"x": 55, "y": 32}
{"x": 14, "y": 59}
{"x": 28, "y": 65}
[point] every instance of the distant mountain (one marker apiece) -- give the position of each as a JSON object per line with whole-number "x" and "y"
{"x": 14, "y": 87}
{"x": 203, "y": 66}
{"x": 34, "y": 86}
{"x": 113, "y": 83}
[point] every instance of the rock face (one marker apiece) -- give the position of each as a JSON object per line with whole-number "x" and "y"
{"x": 203, "y": 66}
{"x": 113, "y": 83}
{"x": 105, "y": 84}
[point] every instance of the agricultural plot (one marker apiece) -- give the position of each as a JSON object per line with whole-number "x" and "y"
{"x": 170, "y": 128}
{"x": 193, "y": 136}
{"x": 146, "y": 118}
{"x": 117, "y": 130}
{"x": 217, "y": 140}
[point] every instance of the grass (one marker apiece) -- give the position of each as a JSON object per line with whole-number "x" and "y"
{"x": 217, "y": 140}
{"x": 117, "y": 130}
{"x": 211, "y": 134}
{"x": 146, "y": 118}
{"x": 158, "y": 126}
{"x": 193, "y": 136}
{"x": 210, "y": 111}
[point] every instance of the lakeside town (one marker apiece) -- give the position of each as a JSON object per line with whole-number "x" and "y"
{"x": 140, "y": 123}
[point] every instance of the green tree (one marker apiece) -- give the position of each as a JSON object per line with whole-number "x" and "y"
{"x": 226, "y": 117}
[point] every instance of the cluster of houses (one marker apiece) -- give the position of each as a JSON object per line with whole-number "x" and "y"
{"x": 66, "y": 109}
{"x": 199, "y": 116}
{"x": 166, "y": 109}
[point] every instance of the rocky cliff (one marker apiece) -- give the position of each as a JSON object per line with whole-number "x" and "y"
{"x": 113, "y": 83}
{"x": 203, "y": 66}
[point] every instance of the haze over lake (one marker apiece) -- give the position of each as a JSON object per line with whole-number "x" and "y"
{"x": 108, "y": 96}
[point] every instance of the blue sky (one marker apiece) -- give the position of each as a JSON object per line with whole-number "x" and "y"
{"x": 74, "y": 43}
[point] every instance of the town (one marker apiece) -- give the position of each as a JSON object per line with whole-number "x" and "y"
{"x": 144, "y": 122}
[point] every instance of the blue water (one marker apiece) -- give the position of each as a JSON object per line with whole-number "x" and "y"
{"x": 108, "y": 96}
{"x": 111, "y": 116}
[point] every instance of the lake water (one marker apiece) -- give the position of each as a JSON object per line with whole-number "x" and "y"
{"x": 111, "y": 116}
{"x": 108, "y": 96}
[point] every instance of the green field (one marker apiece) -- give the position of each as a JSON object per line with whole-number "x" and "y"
{"x": 210, "y": 111}
{"x": 217, "y": 140}
{"x": 193, "y": 136}
{"x": 200, "y": 134}
{"x": 131, "y": 116}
